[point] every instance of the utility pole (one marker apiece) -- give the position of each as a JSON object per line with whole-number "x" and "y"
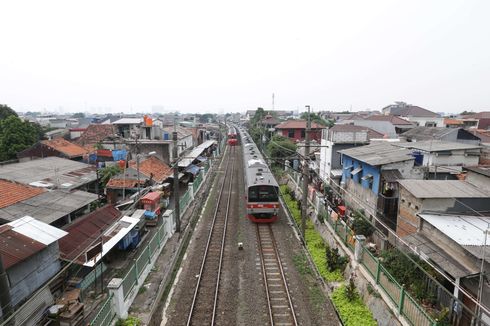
{"x": 306, "y": 175}
{"x": 176, "y": 179}
{"x": 5, "y": 300}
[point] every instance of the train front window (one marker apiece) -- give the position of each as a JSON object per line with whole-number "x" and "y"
{"x": 262, "y": 193}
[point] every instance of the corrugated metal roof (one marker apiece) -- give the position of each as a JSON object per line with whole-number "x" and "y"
{"x": 437, "y": 145}
{"x": 442, "y": 189}
{"x": 465, "y": 230}
{"x": 53, "y": 170}
{"x": 34, "y": 229}
{"x": 16, "y": 247}
{"x": 378, "y": 154}
{"x": 128, "y": 121}
{"x": 85, "y": 231}
{"x": 197, "y": 151}
{"x": 48, "y": 206}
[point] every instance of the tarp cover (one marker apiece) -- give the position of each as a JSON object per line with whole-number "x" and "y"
{"x": 193, "y": 169}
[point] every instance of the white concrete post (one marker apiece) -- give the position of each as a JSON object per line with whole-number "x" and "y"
{"x": 116, "y": 290}
{"x": 204, "y": 174}
{"x": 169, "y": 218}
{"x": 190, "y": 189}
{"x": 360, "y": 240}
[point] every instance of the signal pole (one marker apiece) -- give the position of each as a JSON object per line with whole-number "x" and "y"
{"x": 306, "y": 175}
{"x": 175, "y": 154}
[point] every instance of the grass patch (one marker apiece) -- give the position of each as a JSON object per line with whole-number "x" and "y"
{"x": 301, "y": 264}
{"x": 353, "y": 312}
{"x": 314, "y": 241}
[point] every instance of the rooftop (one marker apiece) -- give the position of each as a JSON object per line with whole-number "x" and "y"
{"x": 50, "y": 172}
{"x": 87, "y": 231}
{"x": 189, "y": 158}
{"x": 48, "y": 206}
{"x": 65, "y": 147}
{"x": 408, "y": 110}
{"x": 13, "y": 192}
{"x": 428, "y": 133}
{"x": 354, "y": 128}
{"x": 390, "y": 118}
{"x": 152, "y": 166}
{"x": 442, "y": 189}
{"x": 128, "y": 121}
{"x": 297, "y": 124}
{"x": 123, "y": 183}
{"x": 181, "y": 131}
{"x": 484, "y": 170}
{"x": 437, "y": 146}
{"x": 35, "y": 229}
{"x": 95, "y": 134}
{"x": 378, "y": 153}
{"x": 16, "y": 247}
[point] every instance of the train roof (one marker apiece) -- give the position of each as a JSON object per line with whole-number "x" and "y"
{"x": 257, "y": 171}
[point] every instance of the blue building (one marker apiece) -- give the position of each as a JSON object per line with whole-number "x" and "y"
{"x": 370, "y": 177}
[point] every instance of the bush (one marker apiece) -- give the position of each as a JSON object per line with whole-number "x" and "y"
{"x": 334, "y": 260}
{"x": 350, "y": 290}
{"x": 361, "y": 225}
{"x": 130, "y": 321}
{"x": 352, "y": 313}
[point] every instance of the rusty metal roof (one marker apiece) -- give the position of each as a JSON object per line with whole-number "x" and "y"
{"x": 16, "y": 247}
{"x": 85, "y": 231}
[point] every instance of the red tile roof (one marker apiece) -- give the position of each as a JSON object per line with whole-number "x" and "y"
{"x": 86, "y": 231}
{"x": 448, "y": 121}
{"x": 297, "y": 124}
{"x": 16, "y": 247}
{"x": 390, "y": 118}
{"x": 95, "y": 134}
{"x": 64, "y": 146}
{"x": 13, "y": 192}
{"x": 153, "y": 166}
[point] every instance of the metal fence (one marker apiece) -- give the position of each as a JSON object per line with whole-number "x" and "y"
{"x": 105, "y": 315}
{"x": 143, "y": 260}
{"x": 184, "y": 200}
{"x": 197, "y": 182}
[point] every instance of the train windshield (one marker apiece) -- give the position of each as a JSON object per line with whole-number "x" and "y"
{"x": 262, "y": 193}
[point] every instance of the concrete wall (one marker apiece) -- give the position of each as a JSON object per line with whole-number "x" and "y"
{"x": 456, "y": 158}
{"x": 27, "y": 276}
{"x": 361, "y": 198}
{"x": 422, "y": 121}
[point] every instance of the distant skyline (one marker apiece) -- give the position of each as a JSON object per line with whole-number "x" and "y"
{"x": 224, "y": 56}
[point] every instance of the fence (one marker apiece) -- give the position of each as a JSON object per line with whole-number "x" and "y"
{"x": 90, "y": 278}
{"x": 406, "y": 305}
{"x": 144, "y": 259}
{"x": 197, "y": 182}
{"x": 105, "y": 315}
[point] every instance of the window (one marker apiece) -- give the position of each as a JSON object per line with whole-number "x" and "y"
{"x": 291, "y": 133}
{"x": 303, "y": 133}
{"x": 262, "y": 193}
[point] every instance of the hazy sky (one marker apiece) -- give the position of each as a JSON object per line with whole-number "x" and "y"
{"x": 228, "y": 56}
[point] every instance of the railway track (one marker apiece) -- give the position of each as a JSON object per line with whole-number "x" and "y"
{"x": 205, "y": 300}
{"x": 280, "y": 305}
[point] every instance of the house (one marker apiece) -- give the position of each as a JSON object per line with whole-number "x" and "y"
{"x": 129, "y": 127}
{"x": 52, "y": 173}
{"x": 269, "y": 122}
{"x": 93, "y": 236}
{"x": 369, "y": 177}
{"x": 415, "y": 114}
{"x": 479, "y": 176}
{"x": 95, "y": 134}
{"x": 456, "y": 245}
{"x": 443, "y": 153}
{"x": 401, "y": 125}
{"x": 30, "y": 254}
{"x": 296, "y": 129}
{"x": 184, "y": 139}
{"x": 458, "y": 135}
{"x": 386, "y": 128}
{"x": 151, "y": 171}
{"x": 443, "y": 196}
{"x": 58, "y": 147}
{"x": 483, "y": 119}
{"x": 337, "y": 138}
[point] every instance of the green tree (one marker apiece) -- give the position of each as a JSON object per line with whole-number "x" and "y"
{"x": 15, "y": 136}
{"x": 280, "y": 147}
{"x": 316, "y": 118}
{"x": 78, "y": 115}
{"x": 6, "y": 111}
{"x": 105, "y": 174}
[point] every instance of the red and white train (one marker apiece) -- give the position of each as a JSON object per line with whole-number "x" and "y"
{"x": 261, "y": 188}
{"x": 232, "y": 136}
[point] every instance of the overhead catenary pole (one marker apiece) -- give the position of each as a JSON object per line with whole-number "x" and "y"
{"x": 306, "y": 175}
{"x": 176, "y": 178}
